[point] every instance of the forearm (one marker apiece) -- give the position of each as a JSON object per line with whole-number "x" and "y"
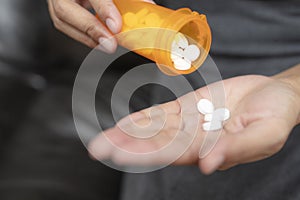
{"x": 292, "y": 77}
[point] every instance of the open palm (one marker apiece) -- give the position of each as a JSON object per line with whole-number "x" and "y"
{"x": 263, "y": 112}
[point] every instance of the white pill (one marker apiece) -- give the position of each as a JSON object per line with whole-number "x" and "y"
{"x": 176, "y": 54}
{"x": 208, "y": 117}
{"x": 181, "y": 40}
{"x": 221, "y": 114}
{"x": 175, "y": 57}
{"x": 174, "y": 46}
{"x": 182, "y": 64}
{"x": 192, "y": 52}
{"x": 212, "y": 126}
{"x": 205, "y": 106}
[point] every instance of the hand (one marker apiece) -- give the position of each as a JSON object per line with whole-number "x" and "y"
{"x": 263, "y": 112}
{"x": 73, "y": 18}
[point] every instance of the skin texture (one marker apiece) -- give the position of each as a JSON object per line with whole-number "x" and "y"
{"x": 263, "y": 112}
{"x": 73, "y": 18}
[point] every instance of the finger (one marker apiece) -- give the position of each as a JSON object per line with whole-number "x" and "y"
{"x": 188, "y": 103}
{"x": 118, "y": 138}
{"x": 70, "y": 30}
{"x": 77, "y": 35}
{"x": 165, "y": 148}
{"x": 109, "y": 14}
{"x": 115, "y": 141}
{"x": 165, "y": 109}
{"x": 85, "y": 3}
{"x": 147, "y": 128}
{"x": 102, "y": 146}
{"x": 145, "y": 114}
{"x": 259, "y": 140}
{"x": 171, "y": 144}
{"x": 78, "y": 17}
{"x": 149, "y": 1}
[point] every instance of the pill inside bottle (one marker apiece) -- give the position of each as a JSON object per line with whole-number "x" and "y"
{"x": 177, "y": 40}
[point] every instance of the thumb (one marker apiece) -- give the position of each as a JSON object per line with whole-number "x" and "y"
{"x": 108, "y": 13}
{"x": 149, "y": 1}
{"x": 257, "y": 141}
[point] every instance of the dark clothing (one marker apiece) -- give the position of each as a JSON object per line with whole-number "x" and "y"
{"x": 249, "y": 37}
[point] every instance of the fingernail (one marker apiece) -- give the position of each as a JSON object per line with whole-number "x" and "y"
{"x": 149, "y": 1}
{"x": 112, "y": 25}
{"x": 106, "y": 45}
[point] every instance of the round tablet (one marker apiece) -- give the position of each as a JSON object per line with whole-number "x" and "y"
{"x": 221, "y": 114}
{"x": 179, "y": 52}
{"x": 130, "y": 19}
{"x": 182, "y": 64}
{"x": 205, "y": 106}
{"x": 192, "y": 52}
{"x": 142, "y": 13}
{"x": 181, "y": 40}
{"x": 152, "y": 19}
{"x": 174, "y": 46}
{"x": 208, "y": 117}
{"x": 212, "y": 126}
{"x": 174, "y": 57}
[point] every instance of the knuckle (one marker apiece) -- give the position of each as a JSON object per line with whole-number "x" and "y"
{"x": 58, "y": 8}
{"x": 56, "y": 23}
{"x": 110, "y": 5}
{"x": 90, "y": 29}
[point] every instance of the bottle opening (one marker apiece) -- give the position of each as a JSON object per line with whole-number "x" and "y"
{"x": 197, "y": 37}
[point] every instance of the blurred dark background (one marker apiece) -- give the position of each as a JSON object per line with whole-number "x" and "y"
{"x": 41, "y": 156}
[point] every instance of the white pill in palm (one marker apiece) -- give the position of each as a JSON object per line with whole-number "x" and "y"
{"x": 192, "y": 52}
{"x": 212, "y": 126}
{"x": 181, "y": 40}
{"x": 182, "y": 64}
{"x": 208, "y": 117}
{"x": 205, "y": 106}
{"x": 221, "y": 114}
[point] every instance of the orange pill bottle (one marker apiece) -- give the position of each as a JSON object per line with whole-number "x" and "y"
{"x": 149, "y": 30}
